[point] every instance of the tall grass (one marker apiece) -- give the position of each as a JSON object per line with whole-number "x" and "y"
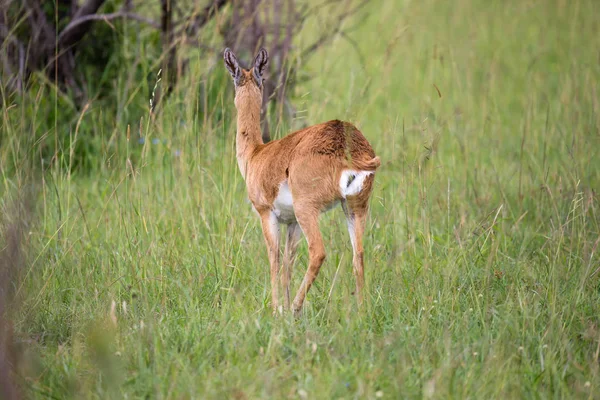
{"x": 147, "y": 274}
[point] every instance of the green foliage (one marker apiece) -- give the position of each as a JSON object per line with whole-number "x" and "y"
{"x": 147, "y": 274}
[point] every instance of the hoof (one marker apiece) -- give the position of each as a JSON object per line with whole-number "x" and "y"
{"x": 297, "y": 312}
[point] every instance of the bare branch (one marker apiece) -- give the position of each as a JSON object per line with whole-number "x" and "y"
{"x": 169, "y": 51}
{"x": 13, "y": 54}
{"x": 71, "y": 36}
{"x": 168, "y": 34}
{"x": 42, "y": 32}
{"x": 108, "y": 17}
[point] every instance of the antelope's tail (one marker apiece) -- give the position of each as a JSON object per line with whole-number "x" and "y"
{"x": 367, "y": 165}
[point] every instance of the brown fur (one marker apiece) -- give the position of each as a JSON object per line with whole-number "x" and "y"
{"x": 311, "y": 161}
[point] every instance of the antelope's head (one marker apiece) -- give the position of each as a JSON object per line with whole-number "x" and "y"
{"x": 248, "y": 82}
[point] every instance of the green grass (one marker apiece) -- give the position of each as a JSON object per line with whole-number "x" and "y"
{"x": 482, "y": 245}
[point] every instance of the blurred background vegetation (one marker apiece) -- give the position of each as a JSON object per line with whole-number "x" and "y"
{"x": 131, "y": 264}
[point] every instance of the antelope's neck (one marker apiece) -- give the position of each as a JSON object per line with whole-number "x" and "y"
{"x": 249, "y": 135}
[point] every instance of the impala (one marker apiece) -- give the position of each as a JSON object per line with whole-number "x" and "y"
{"x": 292, "y": 180}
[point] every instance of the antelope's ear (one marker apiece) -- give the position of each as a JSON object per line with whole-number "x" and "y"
{"x": 260, "y": 65}
{"x": 232, "y": 64}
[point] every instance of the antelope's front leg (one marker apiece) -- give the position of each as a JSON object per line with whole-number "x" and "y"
{"x": 270, "y": 229}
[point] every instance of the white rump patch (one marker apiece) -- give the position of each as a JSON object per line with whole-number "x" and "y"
{"x": 352, "y": 181}
{"x": 284, "y": 204}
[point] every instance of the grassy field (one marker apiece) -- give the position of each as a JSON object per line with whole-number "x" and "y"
{"x": 147, "y": 276}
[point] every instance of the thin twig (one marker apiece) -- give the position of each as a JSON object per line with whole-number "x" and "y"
{"x": 361, "y": 57}
{"x": 201, "y": 19}
{"x": 307, "y": 12}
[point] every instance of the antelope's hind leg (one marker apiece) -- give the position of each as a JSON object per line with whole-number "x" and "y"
{"x": 270, "y": 229}
{"x": 308, "y": 218}
{"x": 356, "y": 209}
{"x": 289, "y": 256}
